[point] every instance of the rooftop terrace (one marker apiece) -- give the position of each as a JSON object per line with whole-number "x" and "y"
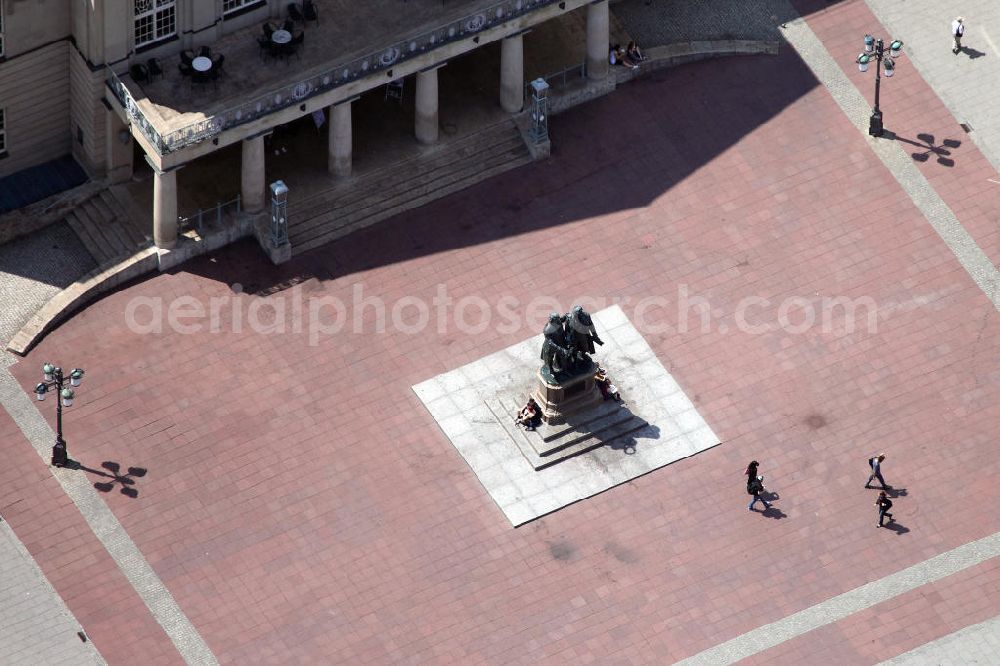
{"x": 351, "y": 41}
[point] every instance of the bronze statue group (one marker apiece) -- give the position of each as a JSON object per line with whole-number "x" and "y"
{"x": 569, "y": 339}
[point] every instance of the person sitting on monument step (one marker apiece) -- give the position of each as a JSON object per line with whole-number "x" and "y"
{"x": 531, "y": 416}
{"x": 608, "y": 390}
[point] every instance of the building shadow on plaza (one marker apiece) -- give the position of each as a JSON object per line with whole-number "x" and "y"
{"x": 627, "y": 149}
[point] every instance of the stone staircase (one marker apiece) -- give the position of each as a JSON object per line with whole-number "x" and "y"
{"x": 104, "y": 228}
{"x": 584, "y": 432}
{"x": 364, "y": 200}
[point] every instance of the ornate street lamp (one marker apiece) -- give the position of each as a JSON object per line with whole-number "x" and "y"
{"x": 279, "y": 213}
{"x": 874, "y": 49}
{"x": 54, "y": 379}
{"x": 539, "y": 110}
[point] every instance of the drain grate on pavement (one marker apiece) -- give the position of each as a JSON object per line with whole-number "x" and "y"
{"x": 471, "y": 403}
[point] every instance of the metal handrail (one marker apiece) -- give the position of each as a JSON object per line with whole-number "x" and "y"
{"x": 561, "y": 77}
{"x": 199, "y": 217}
{"x": 334, "y": 77}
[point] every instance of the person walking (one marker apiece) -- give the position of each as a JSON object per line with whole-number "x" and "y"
{"x": 957, "y": 30}
{"x": 751, "y": 471}
{"x": 876, "y": 464}
{"x": 884, "y": 504}
{"x": 756, "y": 488}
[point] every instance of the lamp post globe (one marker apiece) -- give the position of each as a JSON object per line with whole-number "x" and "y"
{"x": 55, "y": 380}
{"x": 884, "y": 61}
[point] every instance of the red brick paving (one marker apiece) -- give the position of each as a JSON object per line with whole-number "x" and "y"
{"x": 300, "y": 502}
{"x": 54, "y": 531}
{"x": 900, "y": 624}
{"x": 911, "y": 107}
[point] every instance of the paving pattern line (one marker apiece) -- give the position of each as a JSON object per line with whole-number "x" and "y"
{"x": 976, "y": 644}
{"x": 841, "y": 606}
{"x": 36, "y": 626}
{"x": 971, "y": 257}
{"x": 106, "y": 527}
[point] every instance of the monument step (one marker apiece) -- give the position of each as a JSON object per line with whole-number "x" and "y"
{"x": 548, "y": 440}
{"x": 504, "y": 413}
{"x": 505, "y": 417}
{"x": 407, "y": 185}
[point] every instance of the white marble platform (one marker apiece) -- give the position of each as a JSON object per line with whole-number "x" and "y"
{"x": 456, "y": 401}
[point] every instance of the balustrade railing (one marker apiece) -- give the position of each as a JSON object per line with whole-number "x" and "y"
{"x": 298, "y": 92}
{"x": 561, "y": 78}
{"x": 198, "y": 219}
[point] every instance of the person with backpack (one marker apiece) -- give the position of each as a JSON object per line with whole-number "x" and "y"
{"x": 876, "y": 464}
{"x": 756, "y": 488}
{"x": 884, "y": 504}
{"x": 957, "y": 30}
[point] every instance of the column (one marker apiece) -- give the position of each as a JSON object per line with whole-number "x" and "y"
{"x": 118, "y": 153}
{"x": 341, "y": 139}
{"x": 598, "y": 39}
{"x": 165, "y": 208}
{"x": 512, "y": 74}
{"x": 252, "y": 174}
{"x": 426, "y": 122}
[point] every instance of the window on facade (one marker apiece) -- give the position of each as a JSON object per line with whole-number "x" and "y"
{"x": 3, "y": 132}
{"x": 229, "y": 6}
{"x": 154, "y": 20}
{"x": 1, "y": 28}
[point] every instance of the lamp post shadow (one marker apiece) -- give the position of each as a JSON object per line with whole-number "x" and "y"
{"x": 112, "y": 470}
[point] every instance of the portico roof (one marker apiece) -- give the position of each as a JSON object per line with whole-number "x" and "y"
{"x": 354, "y": 47}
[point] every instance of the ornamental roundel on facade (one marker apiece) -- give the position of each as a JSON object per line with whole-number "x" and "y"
{"x": 301, "y": 89}
{"x": 390, "y": 56}
{"x": 475, "y": 23}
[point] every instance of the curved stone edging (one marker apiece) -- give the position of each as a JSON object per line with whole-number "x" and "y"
{"x": 678, "y": 53}
{"x": 78, "y": 294}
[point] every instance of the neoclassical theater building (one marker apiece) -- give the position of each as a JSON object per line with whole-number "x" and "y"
{"x": 96, "y": 78}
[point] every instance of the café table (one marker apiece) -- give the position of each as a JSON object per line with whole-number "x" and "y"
{"x": 201, "y": 64}
{"x": 281, "y": 36}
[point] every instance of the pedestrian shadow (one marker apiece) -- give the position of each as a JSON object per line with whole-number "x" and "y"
{"x": 896, "y": 492}
{"x": 929, "y": 147}
{"x": 112, "y": 470}
{"x": 896, "y": 527}
{"x": 773, "y": 512}
{"x": 972, "y": 53}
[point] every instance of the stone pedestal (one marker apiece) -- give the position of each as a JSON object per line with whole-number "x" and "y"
{"x": 560, "y": 400}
